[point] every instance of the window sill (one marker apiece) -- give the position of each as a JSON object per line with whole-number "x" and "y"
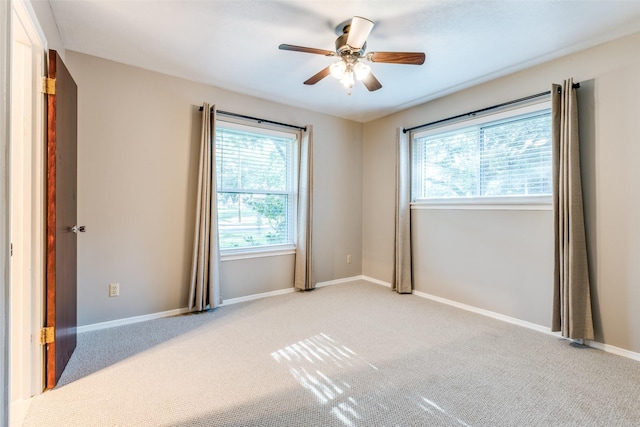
{"x": 237, "y": 254}
{"x": 543, "y": 203}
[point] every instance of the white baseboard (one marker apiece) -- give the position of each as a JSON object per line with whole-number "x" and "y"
{"x": 257, "y": 296}
{"x": 487, "y": 313}
{"x": 131, "y": 320}
{"x": 353, "y": 279}
{"x": 338, "y": 281}
{"x": 614, "y": 350}
{"x": 176, "y": 312}
{"x": 171, "y": 313}
{"x": 593, "y": 344}
{"x": 473, "y": 309}
{"x": 376, "y": 281}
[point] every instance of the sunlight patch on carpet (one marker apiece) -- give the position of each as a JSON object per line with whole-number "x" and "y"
{"x": 304, "y": 360}
{"x": 333, "y": 374}
{"x": 430, "y": 405}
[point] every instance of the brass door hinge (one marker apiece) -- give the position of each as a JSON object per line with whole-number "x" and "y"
{"x": 47, "y": 335}
{"x": 48, "y": 86}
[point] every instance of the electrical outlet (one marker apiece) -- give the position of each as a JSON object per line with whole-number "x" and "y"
{"x": 114, "y": 289}
{"x": 349, "y": 259}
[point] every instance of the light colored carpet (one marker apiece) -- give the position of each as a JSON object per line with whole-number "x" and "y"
{"x": 354, "y": 354}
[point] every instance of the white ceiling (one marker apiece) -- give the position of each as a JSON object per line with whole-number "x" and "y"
{"x": 233, "y": 44}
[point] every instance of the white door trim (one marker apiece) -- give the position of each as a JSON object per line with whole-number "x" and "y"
{"x": 27, "y": 222}
{"x": 5, "y": 123}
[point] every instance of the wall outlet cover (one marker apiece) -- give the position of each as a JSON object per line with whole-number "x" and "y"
{"x": 114, "y": 289}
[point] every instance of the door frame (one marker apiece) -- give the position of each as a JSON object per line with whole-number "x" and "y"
{"x": 5, "y": 179}
{"x": 26, "y": 294}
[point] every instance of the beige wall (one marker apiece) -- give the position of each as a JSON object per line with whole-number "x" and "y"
{"x": 486, "y": 258}
{"x": 501, "y": 260}
{"x": 138, "y": 135}
{"x": 48, "y": 24}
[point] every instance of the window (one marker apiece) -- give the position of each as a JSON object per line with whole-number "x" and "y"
{"x": 505, "y": 157}
{"x": 255, "y": 172}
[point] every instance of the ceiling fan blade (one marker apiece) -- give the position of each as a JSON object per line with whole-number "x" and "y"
{"x": 371, "y": 82}
{"x": 412, "y": 58}
{"x": 318, "y": 76}
{"x": 306, "y": 49}
{"x": 359, "y": 30}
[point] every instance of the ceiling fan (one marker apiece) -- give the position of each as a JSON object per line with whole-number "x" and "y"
{"x": 350, "y": 48}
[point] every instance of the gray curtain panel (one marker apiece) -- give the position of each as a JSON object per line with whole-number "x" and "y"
{"x": 303, "y": 276}
{"x": 402, "y": 281}
{"x": 204, "y": 290}
{"x": 572, "y": 296}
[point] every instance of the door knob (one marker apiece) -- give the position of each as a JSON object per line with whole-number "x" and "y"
{"x": 78, "y": 229}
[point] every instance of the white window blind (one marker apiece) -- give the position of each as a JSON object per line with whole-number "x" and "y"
{"x": 256, "y": 187}
{"x": 507, "y": 157}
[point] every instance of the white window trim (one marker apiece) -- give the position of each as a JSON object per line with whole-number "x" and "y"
{"x": 524, "y": 203}
{"x": 266, "y": 129}
{"x": 513, "y": 203}
{"x": 272, "y": 250}
{"x": 489, "y": 117}
{"x": 257, "y": 252}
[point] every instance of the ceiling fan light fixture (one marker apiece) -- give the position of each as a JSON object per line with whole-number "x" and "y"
{"x": 347, "y": 80}
{"x": 338, "y": 69}
{"x": 361, "y": 70}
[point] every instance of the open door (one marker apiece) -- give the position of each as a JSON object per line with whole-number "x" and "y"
{"x": 61, "y": 284}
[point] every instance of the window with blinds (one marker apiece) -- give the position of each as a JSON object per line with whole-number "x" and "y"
{"x": 506, "y": 156}
{"x": 255, "y": 170}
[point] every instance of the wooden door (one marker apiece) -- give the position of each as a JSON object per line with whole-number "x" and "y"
{"x": 61, "y": 287}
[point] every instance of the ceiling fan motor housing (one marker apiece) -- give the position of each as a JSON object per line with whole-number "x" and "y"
{"x": 343, "y": 49}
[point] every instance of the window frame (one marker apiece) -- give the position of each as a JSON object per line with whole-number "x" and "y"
{"x": 509, "y": 202}
{"x": 231, "y": 254}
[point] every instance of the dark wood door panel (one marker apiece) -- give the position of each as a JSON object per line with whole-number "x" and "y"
{"x": 61, "y": 304}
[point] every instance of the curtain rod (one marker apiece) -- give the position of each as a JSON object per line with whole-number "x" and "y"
{"x": 482, "y": 110}
{"x": 257, "y": 119}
